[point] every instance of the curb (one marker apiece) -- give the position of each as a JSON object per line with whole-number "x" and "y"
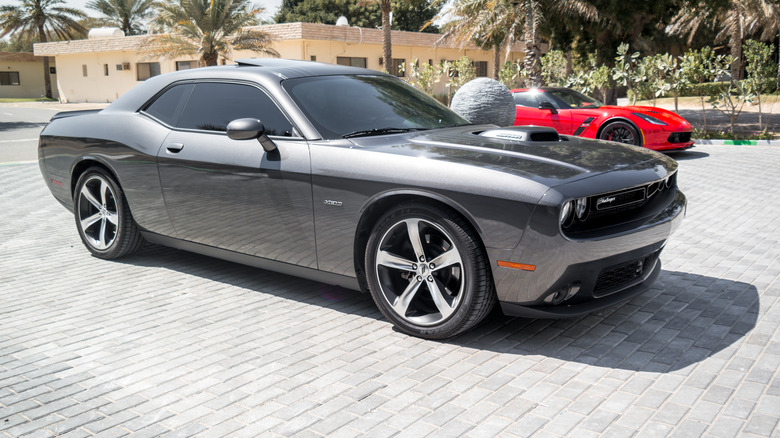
{"x": 738, "y": 142}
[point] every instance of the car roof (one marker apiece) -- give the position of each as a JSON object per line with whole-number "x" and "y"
{"x": 267, "y": 71}
{"x": 293, "y": 68}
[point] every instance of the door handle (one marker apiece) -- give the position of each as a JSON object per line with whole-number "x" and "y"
{"x": 174, "y": 148}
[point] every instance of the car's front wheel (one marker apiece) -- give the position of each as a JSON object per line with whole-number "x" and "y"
{"x": 621, "y": 132}
{"x": 427, "y": 271}
{"x": 102, "y": 216}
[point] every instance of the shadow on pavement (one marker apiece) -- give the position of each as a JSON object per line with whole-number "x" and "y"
{"x": 683, "y": 319}
{"x": 8, "y": 126}
{"x": 688, "y": 155}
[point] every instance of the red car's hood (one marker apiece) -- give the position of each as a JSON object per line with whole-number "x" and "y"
{"x": 669, "y": 117}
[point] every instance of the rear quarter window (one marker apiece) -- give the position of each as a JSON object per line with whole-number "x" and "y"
{"x": 167, "y": 107}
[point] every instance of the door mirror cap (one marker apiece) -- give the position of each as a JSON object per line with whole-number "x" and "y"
{"x": 248, "y": 129}
{"x": 548, "y": 106}
{"x": 245, "y": 129}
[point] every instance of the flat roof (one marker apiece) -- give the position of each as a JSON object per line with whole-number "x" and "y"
{"x": 280, "y": 32}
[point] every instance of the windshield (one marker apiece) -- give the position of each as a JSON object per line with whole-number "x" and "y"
{"x": 565, "y": 98}
{"x": 348, "y": 106}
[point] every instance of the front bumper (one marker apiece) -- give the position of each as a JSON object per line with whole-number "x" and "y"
{"x": 575, "y": 277}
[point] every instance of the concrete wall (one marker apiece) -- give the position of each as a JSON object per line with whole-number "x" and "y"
{"x": 96, "y": 86}
{"x": 31, "y": 82}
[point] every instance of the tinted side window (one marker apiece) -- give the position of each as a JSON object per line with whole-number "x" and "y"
{"x": 212, "y": 106}
{"x": 525, "y": 98}
{"x": 168, "y": 106}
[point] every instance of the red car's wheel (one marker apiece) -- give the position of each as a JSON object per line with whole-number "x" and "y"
{"x": 621, "y": 132}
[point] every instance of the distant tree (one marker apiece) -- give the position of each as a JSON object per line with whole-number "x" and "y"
{"x": 624, "y": 72}
{"x": 208, "y": 29}
{"x": 489, "y": 25}
{"x": 128, "y": 15}
{"x": 637, "y": 23}
{"x": 733, "y": 20}
{"x": 328, "y": 11}
{"x": 700, "y": 66}
{"x": 17, "y": 43}
{"x": 40, "y": 21}
{"x": 554, "y": 68}
{"x": 409, "y": 15}
{"x": 758, "y": 57}
{"x": 493, "y": 24}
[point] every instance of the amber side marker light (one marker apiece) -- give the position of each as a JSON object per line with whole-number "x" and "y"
{"x": 512, "y": 265}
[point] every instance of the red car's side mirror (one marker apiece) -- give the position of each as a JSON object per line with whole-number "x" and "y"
{"x": 548, "y": 106}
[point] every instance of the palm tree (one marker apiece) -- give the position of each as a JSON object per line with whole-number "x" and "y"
{"x": 208, "y": 29}
{"x": 387, "y": 44}
{"x": 498, "y": 23}
{"x": 128, "y": 15}
{"x": 41, "y": 20}
{"x": 734, "y": 22}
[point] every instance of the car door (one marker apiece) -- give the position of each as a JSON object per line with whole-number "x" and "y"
{"x": 528, "y": 112}
{"x": 231, "y": 194}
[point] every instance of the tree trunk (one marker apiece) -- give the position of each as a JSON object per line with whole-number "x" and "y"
{"x": 703, "y": 110}
{"x": 210, "y": 58}
{"x": 496, "y": 61}
{"x": 737, "y": 35}
{"x": 387, "y": 44}
{"x": 46, "y": 73}
{"x": 531, "y": 62}
{"x": 777, "y": 86}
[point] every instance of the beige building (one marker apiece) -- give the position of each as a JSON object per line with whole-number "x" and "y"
{"x": 21, "y": 75}
{"x": 102, "y": 69}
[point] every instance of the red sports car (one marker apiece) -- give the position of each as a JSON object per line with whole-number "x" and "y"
{"x": 573, "y": 113}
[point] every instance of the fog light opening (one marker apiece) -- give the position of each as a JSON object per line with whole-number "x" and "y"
{"x": 560, "y": 295}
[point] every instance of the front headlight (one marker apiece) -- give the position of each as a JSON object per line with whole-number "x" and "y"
{"x": 566, "y": 213}
{"x": 581, "y": 208}
{"x": 650, "y": 119}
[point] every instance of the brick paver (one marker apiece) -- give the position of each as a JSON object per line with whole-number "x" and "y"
{"x": 168, "y": 343}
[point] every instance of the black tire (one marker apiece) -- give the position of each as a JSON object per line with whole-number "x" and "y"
{"x": 103, "y": 218}
{"x": 443, "y": 301}
{"x": 621, "y": 132}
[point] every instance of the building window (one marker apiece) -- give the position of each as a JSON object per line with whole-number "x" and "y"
{"x": 481, "y": 67}
{"x": 9, "y": 78}
{"x": 350, "y": 61}
{"x": 313, "y": 58}
{"x": 186, "y": 65}
{"x": 146, "y": 70}
{"x": 105, "y": 69}
{"x": 84, "y": 70}
{"x": 397, "y": 70}
{"x": 53, "y": 70}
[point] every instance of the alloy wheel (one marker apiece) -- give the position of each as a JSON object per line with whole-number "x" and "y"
{"x": 420, "y": 271}
{"x": 97, "y": 212}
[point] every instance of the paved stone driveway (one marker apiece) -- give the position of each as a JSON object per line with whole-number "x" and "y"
{"x": 175, "y": 344}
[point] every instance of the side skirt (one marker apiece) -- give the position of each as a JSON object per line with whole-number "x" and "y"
{"x": 257, "y": 262}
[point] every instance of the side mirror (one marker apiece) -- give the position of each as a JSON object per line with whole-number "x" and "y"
{"x": 248, "y": 129}
{"x": 548, "y": 106}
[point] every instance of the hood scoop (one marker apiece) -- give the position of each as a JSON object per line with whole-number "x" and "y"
{"x": 523, "y": 133}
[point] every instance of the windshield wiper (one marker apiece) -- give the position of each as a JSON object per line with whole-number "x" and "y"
{"x": 379, "y": 131}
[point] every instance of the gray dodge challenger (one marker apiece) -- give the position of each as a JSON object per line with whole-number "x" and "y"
{"x": 352, "y": 177}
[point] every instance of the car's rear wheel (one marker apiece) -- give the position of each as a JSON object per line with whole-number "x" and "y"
{"x": 102, "y": 217}
{"x": 621, "y": 132}
{"x": 428, "y": 272}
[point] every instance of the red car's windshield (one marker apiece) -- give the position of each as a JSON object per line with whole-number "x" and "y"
{"x": 560, "y": 98}
{"x": 571, "y": 98}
